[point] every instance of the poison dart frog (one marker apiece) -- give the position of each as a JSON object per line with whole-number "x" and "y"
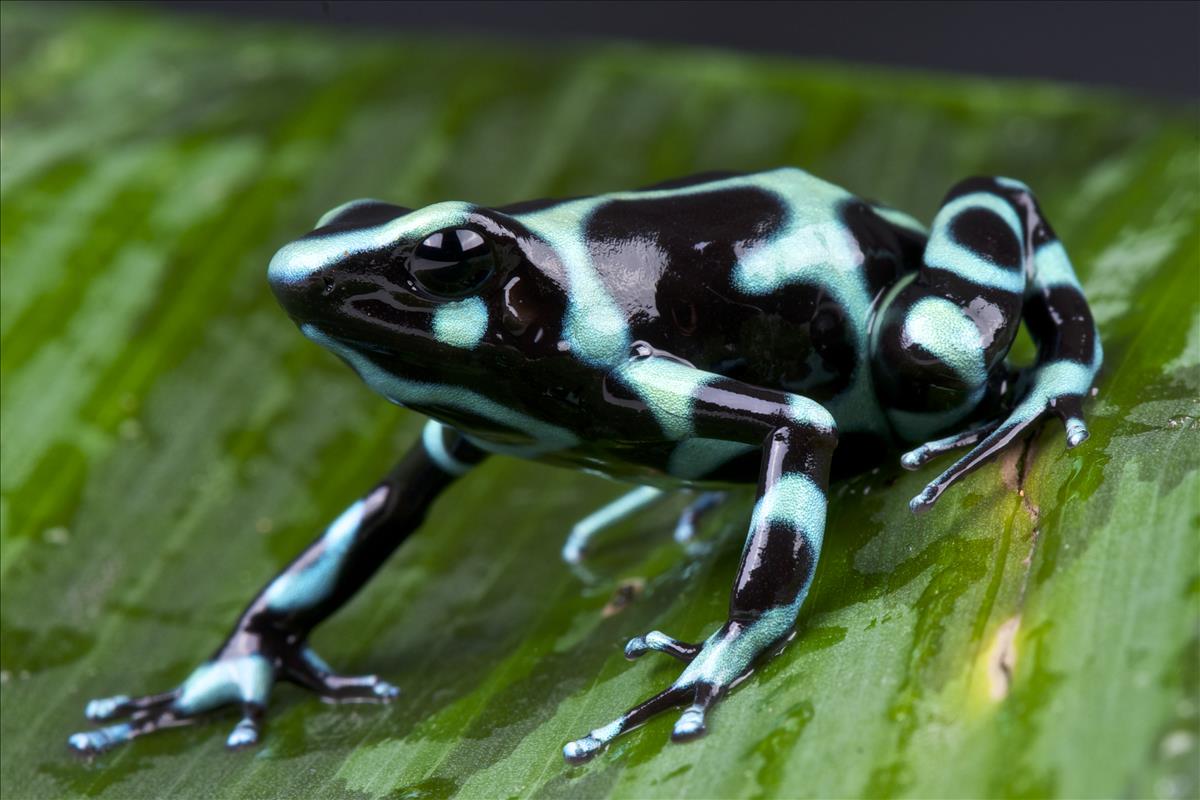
{"x": 770, "y": 328}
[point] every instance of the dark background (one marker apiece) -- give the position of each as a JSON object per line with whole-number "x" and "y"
{"x": 1148, "y": 47}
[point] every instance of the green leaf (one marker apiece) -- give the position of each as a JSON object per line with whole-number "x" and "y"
{"x": 170, "y": 440}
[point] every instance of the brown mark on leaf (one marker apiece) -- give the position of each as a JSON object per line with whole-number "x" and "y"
{"x": 1014, "y": 468}
{"x": 626, "y": 592}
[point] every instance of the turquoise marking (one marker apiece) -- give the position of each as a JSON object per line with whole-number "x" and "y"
{"x": 595, "y": 326}
{"x": 1012, "y": 183}
{"x": 298, "y": 260}
{"x": 943, "y": 252}
{"x": 432, "y": 436}
{"x": 668, "y": 389}
{"x": 329, "y": 215}
{"x": 238, "y": 680}
{"x": 1053, "y": 380}
{"x": 723, "y": 661}
{"x": 690, "y": 722}
{"x": 941, "y": 327}
{"x": 793, "y": 500}
{"x": 811, "y": 413}
{"x": 304, "y": 589}
{"x": 820, "y": 252}
{"x": 819, "y": 249}
{"x": 315, "y": 661}
{"x": 696, "y": 457}
{"x": 408, "y": 392}
{"x": 462, "y": 323}
{"x": 601, "y": 518}
{"x": 901, "y": 220}
{"x": 1051, "y": 268}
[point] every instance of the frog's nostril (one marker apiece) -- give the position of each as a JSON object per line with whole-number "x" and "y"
{"x": 328, "y": 284}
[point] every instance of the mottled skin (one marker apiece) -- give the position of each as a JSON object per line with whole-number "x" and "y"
{"x": 769, "y": 328}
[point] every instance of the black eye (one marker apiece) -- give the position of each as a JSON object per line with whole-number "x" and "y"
{"x": 452, "y": 262}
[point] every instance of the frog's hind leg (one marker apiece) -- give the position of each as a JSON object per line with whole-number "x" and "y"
{"x": 992, "y": 253}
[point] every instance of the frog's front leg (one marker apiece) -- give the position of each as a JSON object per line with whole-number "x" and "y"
{"x": 797, "y": 437}
{"x": 269, "y": 641}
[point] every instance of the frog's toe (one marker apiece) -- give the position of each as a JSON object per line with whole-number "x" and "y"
{"x": 122, "y": 705}
{"x": 246, "y": 732}
{"x": 313, "y": 673}
{"x": 925, "y": 500}
{"x": 691, "y": 516}
{"x": 587, "y": 747}
{"x": 357, "y": 689}
{"x": 659, "y": 641}
{"x": 94, "y": 742}
{"x": 582, "y": 750}
{"x": 922, "y": 455}
{"x": 689, "y": 726}
{"x": 1069, "y": 408}
{"x": 1077, "y": 432}
{"x": 691, "y": 723}
{"x": 91, "y": 743}
{"x": 103, "y": 708}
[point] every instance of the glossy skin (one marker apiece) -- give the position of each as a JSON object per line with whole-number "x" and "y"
{"x": 768, "y": 328}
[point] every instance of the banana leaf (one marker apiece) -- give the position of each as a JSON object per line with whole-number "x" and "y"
{"x": 170, "y": 440}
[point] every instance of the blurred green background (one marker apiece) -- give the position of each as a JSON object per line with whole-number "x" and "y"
{"x": 170, "y": 440}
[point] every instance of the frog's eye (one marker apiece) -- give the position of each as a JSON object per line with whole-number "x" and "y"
{"x": 452, "y": 262}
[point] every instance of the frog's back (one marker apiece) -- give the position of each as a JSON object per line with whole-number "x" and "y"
{"x": 767, "y": 278}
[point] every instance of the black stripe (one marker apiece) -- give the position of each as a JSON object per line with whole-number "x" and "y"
{"x": 784, "y": 565}
{"x": 986, "y": 233}
{"x": 978, "y": 183}
{"x": 1061, "y": 323}
{"x": 691, "y": 180}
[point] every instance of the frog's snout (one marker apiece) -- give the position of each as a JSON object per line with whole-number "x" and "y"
{"x": 302, "y": 273}
{"x": 299, "y": 275}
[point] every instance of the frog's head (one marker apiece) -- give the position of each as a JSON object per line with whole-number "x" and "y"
{"x": 416, "y": 295}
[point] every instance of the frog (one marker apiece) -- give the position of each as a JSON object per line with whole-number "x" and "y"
{"x": 769, "y": 329}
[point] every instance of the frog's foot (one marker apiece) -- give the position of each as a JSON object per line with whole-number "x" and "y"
{"x": 689, "y": 519}
{"x": 690, "y": 725}
{"x": 712, "y": 669}
{"x": 239, "y": 680}
{"x": 145, "y": 715}
{"x": 243, "y": 681}
{"x": 311, "y": 672}
{"x": 1041, "y": 400}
